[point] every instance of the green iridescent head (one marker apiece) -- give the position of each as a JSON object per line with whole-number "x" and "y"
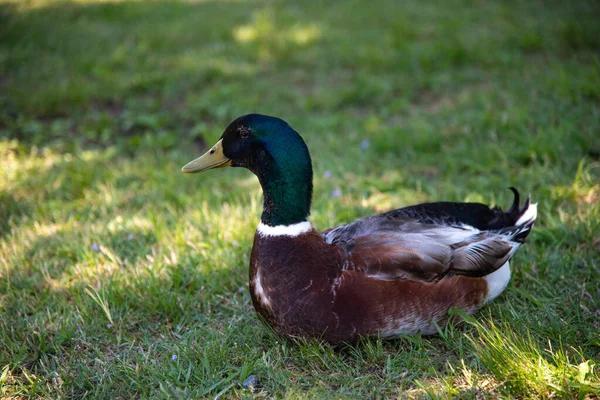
{"x": 276, "y": 154}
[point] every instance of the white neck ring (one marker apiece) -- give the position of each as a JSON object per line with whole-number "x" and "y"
{"x": 284, "y": 230}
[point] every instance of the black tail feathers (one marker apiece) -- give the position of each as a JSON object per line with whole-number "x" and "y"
{"x": 516, "y": 211}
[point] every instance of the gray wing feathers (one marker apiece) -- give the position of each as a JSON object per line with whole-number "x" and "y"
{"x": 386, "y": 249}
{"x": 392, "y": 256}
{"x": 483, "y": 257}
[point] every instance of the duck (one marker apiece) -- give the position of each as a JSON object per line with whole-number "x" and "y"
{"x": 388, "y": 275}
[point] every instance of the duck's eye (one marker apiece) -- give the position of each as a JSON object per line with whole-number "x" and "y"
{"x": 244, "y": 132}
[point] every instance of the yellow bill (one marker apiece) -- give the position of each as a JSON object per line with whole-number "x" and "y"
{"x": 214, "y": 158}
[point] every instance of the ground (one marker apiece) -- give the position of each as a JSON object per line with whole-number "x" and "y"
{"x": 120, "y": 277}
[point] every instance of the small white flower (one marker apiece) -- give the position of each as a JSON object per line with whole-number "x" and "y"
{"x": 173, "y": 357}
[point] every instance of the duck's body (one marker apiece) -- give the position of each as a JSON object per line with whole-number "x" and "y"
{"x": 386, "y": 275}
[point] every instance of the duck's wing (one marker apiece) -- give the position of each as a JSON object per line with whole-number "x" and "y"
{"x": 427, "y": 256}
{"x": 429, "y": 241}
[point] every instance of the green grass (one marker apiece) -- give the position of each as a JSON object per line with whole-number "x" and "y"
{"x": 120, "y": 277}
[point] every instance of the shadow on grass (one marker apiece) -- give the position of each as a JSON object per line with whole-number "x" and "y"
{"x": 105, "y": 70}
{"x": 12, "y": 210}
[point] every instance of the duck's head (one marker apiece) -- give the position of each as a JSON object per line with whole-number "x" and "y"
{"x": 276, "y": 154}
{"x": 253, "y": 141}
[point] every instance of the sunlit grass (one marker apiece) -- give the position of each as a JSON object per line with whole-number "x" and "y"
{"x": 523, "y": 366}
{"x": 263, "y": 28}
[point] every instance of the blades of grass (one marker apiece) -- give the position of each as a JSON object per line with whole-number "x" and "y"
{"x": 517, "y": 360}
{"x": 100, "y": 299}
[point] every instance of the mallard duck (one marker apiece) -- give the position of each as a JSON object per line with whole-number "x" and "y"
{"x": 386, "y": 275}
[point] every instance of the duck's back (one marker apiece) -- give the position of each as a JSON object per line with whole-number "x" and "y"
{"x": 446, "y": 214}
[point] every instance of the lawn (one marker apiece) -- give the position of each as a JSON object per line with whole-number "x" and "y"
{"x": 121, "y": 277}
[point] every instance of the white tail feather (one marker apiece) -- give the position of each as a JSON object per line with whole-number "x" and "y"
{"x": 529, "y": 215}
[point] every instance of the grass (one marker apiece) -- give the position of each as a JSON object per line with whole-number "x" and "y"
{"x": 122, "y": 278}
